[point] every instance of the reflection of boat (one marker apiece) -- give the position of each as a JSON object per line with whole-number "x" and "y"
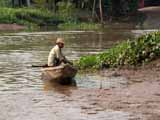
{"x": 61, "y": 74}
{"x": 62, "y": 89}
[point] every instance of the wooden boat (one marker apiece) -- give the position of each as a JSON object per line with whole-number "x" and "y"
{"x": 61, "y": 74}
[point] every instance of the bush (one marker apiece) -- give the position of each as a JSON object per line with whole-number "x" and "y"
{"x": 5, "y": 3}
{"x": 40, "y": 3}
{"x": 25, "y": 16}
{"x": 35, "y": 17}
{"x": 87, "y": 62}
{"x": 66, "y": 11}
{"x": 131, "y": 52}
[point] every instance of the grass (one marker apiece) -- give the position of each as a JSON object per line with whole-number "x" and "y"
{"x": 25, "y": 16}
{"x": 35, "y": 17}
{"x": 79, "y": 26}
{"x": 131, "y": 53}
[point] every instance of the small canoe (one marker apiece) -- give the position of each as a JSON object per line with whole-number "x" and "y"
{"x": 62, "y": 73}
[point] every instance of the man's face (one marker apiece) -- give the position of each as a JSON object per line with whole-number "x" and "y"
{"x": 61, "y": 45}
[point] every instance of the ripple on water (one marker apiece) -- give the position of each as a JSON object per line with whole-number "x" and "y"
{"x": 44, "y": 106}
{"x": 21, "y": 87}
{"x": 19, "y": 50}
{"x": 99, "y": 80}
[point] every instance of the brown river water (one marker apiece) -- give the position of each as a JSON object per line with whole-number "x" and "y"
{"x": 24, "y": 96}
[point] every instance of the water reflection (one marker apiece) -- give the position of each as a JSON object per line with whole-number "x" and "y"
{"x": 59, "y": 88}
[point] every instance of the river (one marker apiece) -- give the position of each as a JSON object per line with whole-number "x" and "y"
{"x": 25, "y": 96}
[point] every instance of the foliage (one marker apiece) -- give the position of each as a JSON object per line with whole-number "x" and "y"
{"x": 40, "y": 3}
{"x": 24, "y": 16}
{"x": 88, "y": 61}
{"x": 67, "y": 14}
{"x": 79, "y": 26}
{"x": 110, "y": 7}
{"x": 5, "y": 3}
{"x": 66, "y": 11}
{"x": 131, "y": 52}
{"x": 35, "y": 17}
{"x": 133, "y": 6}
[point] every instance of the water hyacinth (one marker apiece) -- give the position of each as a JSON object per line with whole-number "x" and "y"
{"x": 131, "y": 52}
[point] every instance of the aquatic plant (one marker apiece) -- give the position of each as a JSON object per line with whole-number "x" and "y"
{"x": 131, "y": 52}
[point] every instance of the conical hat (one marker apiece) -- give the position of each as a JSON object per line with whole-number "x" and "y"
{"x": 60, "y": 40}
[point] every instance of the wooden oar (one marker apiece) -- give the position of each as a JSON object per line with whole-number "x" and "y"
{"x": 45, "y": 65}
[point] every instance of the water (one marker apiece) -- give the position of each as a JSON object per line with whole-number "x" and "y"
{"x": 25, "y": 96}
{"x": 21, "y": 50}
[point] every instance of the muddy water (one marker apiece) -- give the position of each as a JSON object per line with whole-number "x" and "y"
{"x": 25, "y": 96}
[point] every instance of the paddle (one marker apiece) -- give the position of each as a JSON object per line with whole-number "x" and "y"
{"x": 45, "y": 65}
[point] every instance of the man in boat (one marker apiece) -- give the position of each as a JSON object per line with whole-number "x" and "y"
{"x": 56, "y": 56}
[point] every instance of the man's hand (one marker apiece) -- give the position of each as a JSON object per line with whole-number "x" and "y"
{"x": 70, "y": 62}
{"x": 66, "y": 61}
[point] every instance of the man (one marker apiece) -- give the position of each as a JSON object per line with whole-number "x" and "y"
{"x": 56, "y": 57}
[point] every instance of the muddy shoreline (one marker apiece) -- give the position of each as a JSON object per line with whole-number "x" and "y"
{"x": 141, "y": 97}
{"x": 11, "y": 27}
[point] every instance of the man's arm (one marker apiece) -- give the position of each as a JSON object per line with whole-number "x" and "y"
{"x": 59, "y": 54}
{"x": 67, "y": 61}
{"x": 61, "y": 57}
{"x": 51, "y": 58}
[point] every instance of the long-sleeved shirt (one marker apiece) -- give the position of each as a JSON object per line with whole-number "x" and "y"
{"x": 54, "y": 54}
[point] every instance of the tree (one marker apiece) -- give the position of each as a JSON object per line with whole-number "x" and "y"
{"x": 21, "y": 3}
{"x": 52, "y": 5}
{"x": 28, "y": 2}
{"x": 100, "y": 10}
{"x": 93, "y": 9}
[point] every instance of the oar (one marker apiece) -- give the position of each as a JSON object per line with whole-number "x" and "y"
{"x": 45, "y": 65}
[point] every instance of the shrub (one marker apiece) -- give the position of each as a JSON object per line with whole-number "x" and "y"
{"x": 25, "y": 16}
{"x": 66, "y": 11}
{"x": 5, "y": 3}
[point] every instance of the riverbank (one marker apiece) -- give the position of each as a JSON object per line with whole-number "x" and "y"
{"x": 140, "y": 97}
{"x": 138, "y": 100}
{"x": 32, "y": 19}
{"x": 121, "y": 97}
{"x": 12, "y": 27}
{"x": 133, "y": 52}
{"x": 152, "y": 18}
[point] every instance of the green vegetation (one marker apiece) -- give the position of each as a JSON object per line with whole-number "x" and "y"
{"x": 36, "y": 17}
{"x": 66, "y": 14}
{"x": 5, "y": 3}
{"x": 131, "y": 52}
{"x": 80, "y": 26}
{"x": 25, "y": 16}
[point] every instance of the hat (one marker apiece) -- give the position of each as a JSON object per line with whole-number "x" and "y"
{"x": 59, "y": 40}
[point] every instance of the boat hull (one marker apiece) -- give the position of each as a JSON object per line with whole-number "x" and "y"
{"x": 63, "y": 74}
